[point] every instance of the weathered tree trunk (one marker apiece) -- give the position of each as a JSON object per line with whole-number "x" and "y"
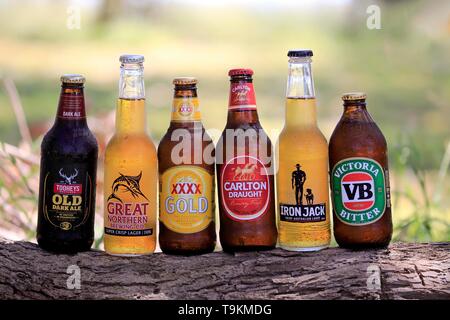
{"x": 403, "y": 271}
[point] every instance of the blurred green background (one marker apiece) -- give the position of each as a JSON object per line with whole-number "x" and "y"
{"x": 404, "y": 67}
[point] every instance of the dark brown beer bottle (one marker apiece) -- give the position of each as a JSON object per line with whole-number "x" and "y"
{"x": 186, "y": 177}
{"x": 245, "y": 174}
{"x": 68, "y": 175}
{"x": 359, "y": 178}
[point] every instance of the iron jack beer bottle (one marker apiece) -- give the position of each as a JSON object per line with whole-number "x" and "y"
{"x": 68, "y": 175}
{"x": 302, "y": 179}
{"x": 186, "y": 177}
{"x": 130, "y": 170}
{"x": 244, "y": 173}
{"x": 359, "y": 178}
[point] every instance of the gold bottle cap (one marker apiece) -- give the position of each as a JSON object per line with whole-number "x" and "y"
{"x": 351, "y": 96}
{"x": 72, "y": 78}
{"x": 184, "y": 81}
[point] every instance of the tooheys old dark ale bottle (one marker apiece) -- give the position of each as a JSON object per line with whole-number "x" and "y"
{"x": 359, "y": 178}
{"x": 186, "y": 177}
{"x": 68, "y": 172}
{"x": 245, "y": 173}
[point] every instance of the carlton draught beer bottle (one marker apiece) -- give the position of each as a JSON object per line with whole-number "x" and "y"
{"x": 302, "y": 179}
{"x": 359, "y": 178}
{"x": 245, "y": 173}
{"x": 130, "y": 170}
{"x": 68, "y": 175}
{"x": 186, "y": 177}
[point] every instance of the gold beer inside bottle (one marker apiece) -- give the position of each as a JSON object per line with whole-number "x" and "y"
{"x": 302, "y": 179}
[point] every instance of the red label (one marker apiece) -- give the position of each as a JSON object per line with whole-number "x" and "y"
{"x": 358, "y": 191}
{"x": 67, "y": 188}
{"x": 245, "y": 188}
{"x": 71, "y": 107}
{"x": 242, "y": 96}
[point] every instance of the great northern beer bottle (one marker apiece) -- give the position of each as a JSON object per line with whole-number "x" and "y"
{"x": 245, "y": 173}
{"x": 186, "y": 177}
{"x": 130, "y": 170}
{"x": 359, "y": 178}
{"x": 302, "y": 179}
{"x": 68, "y": 175}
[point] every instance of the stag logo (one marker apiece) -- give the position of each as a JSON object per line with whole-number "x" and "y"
{"x": 127, "y": 184}
{"x": 68, "y": 179}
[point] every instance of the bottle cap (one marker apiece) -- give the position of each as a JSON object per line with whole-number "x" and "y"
{"x": 184, "y": 81}
{"x": 300, "y": 53}
{"x": 131, "y": 58}
{"x": 240, "y": 72}
{"x": 351, "y": 96}
{"x": 72, "y": 78}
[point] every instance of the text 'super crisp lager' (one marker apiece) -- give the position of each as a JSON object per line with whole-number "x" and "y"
{"x": 302, "y": 179}
{"x": 130, "y": 170}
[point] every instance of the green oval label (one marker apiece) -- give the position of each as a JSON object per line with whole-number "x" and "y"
{"x": 359, "y": 191}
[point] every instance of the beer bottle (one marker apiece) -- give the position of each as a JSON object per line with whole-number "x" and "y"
{"x": 186, "y": 177}
{"x": 302, "y": 179}
{"x": 130, "y": 170}
{"x": 359, "y": 178}
{"x": 245, "y": 173}
{"x": 68, "y": 175}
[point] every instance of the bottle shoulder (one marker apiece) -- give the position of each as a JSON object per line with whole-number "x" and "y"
{"x": 130, "y": 145}
{"x": 74, "y": 142}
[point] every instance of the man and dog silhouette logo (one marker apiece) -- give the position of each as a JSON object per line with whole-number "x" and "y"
{"x": 298, "y": 181}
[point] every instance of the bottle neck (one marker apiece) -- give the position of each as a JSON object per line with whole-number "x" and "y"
{"x": 356, "y": 110}
{"x": 242, "y": 101}
{"x": 71, "y": 107}
{"x": 130, "y": 114}
{"x": 185, "y": 106}
{"x": 301, "y": 108}
{"x": 300, "y": 80}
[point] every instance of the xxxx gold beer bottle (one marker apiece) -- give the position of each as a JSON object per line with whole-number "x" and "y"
{"x": 186, "y": 177}
{"x": 359, "y": 178}
{"x": 302, "y": 179}
{"x": 244, "y": 173}
{"x": 68, "y": 173}
{"x": 130, "y": 170}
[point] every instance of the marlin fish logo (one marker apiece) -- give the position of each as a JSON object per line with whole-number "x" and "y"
{"x": 129, "y": 184}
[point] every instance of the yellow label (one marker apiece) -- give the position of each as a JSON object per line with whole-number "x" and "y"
{"x": 302, "y": 181}
{"x": 186, "y": 199}
{"x": 185, "y": 109}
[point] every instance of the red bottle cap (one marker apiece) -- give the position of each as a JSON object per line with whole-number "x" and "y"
{"x": 240, "y": 72}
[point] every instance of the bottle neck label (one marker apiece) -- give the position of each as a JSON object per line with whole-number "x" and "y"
{"x": 360, "y": 191}
{"x": 71, "y": 104}
{"x": 185, "y": 109}
{"x": 242, "y": 96}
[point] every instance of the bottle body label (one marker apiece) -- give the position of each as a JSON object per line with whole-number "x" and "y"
{"x": 304, "y": 220}
{"x": 68, "y": 195}
{"x": 245, "y": 188}
{"x": 186, "y": 199}
{"x": 128, "y": 208}
{"x": 359, "y": 191}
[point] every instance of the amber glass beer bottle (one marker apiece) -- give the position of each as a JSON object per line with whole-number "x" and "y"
{"x": 302, "y": 179}
{"x": 68, "y": 175}
{"x": 245, "y": 173}
{"x": 130, "y": 170}
{"x": 359, "y": 178}
{"x": 186, "y": 177}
